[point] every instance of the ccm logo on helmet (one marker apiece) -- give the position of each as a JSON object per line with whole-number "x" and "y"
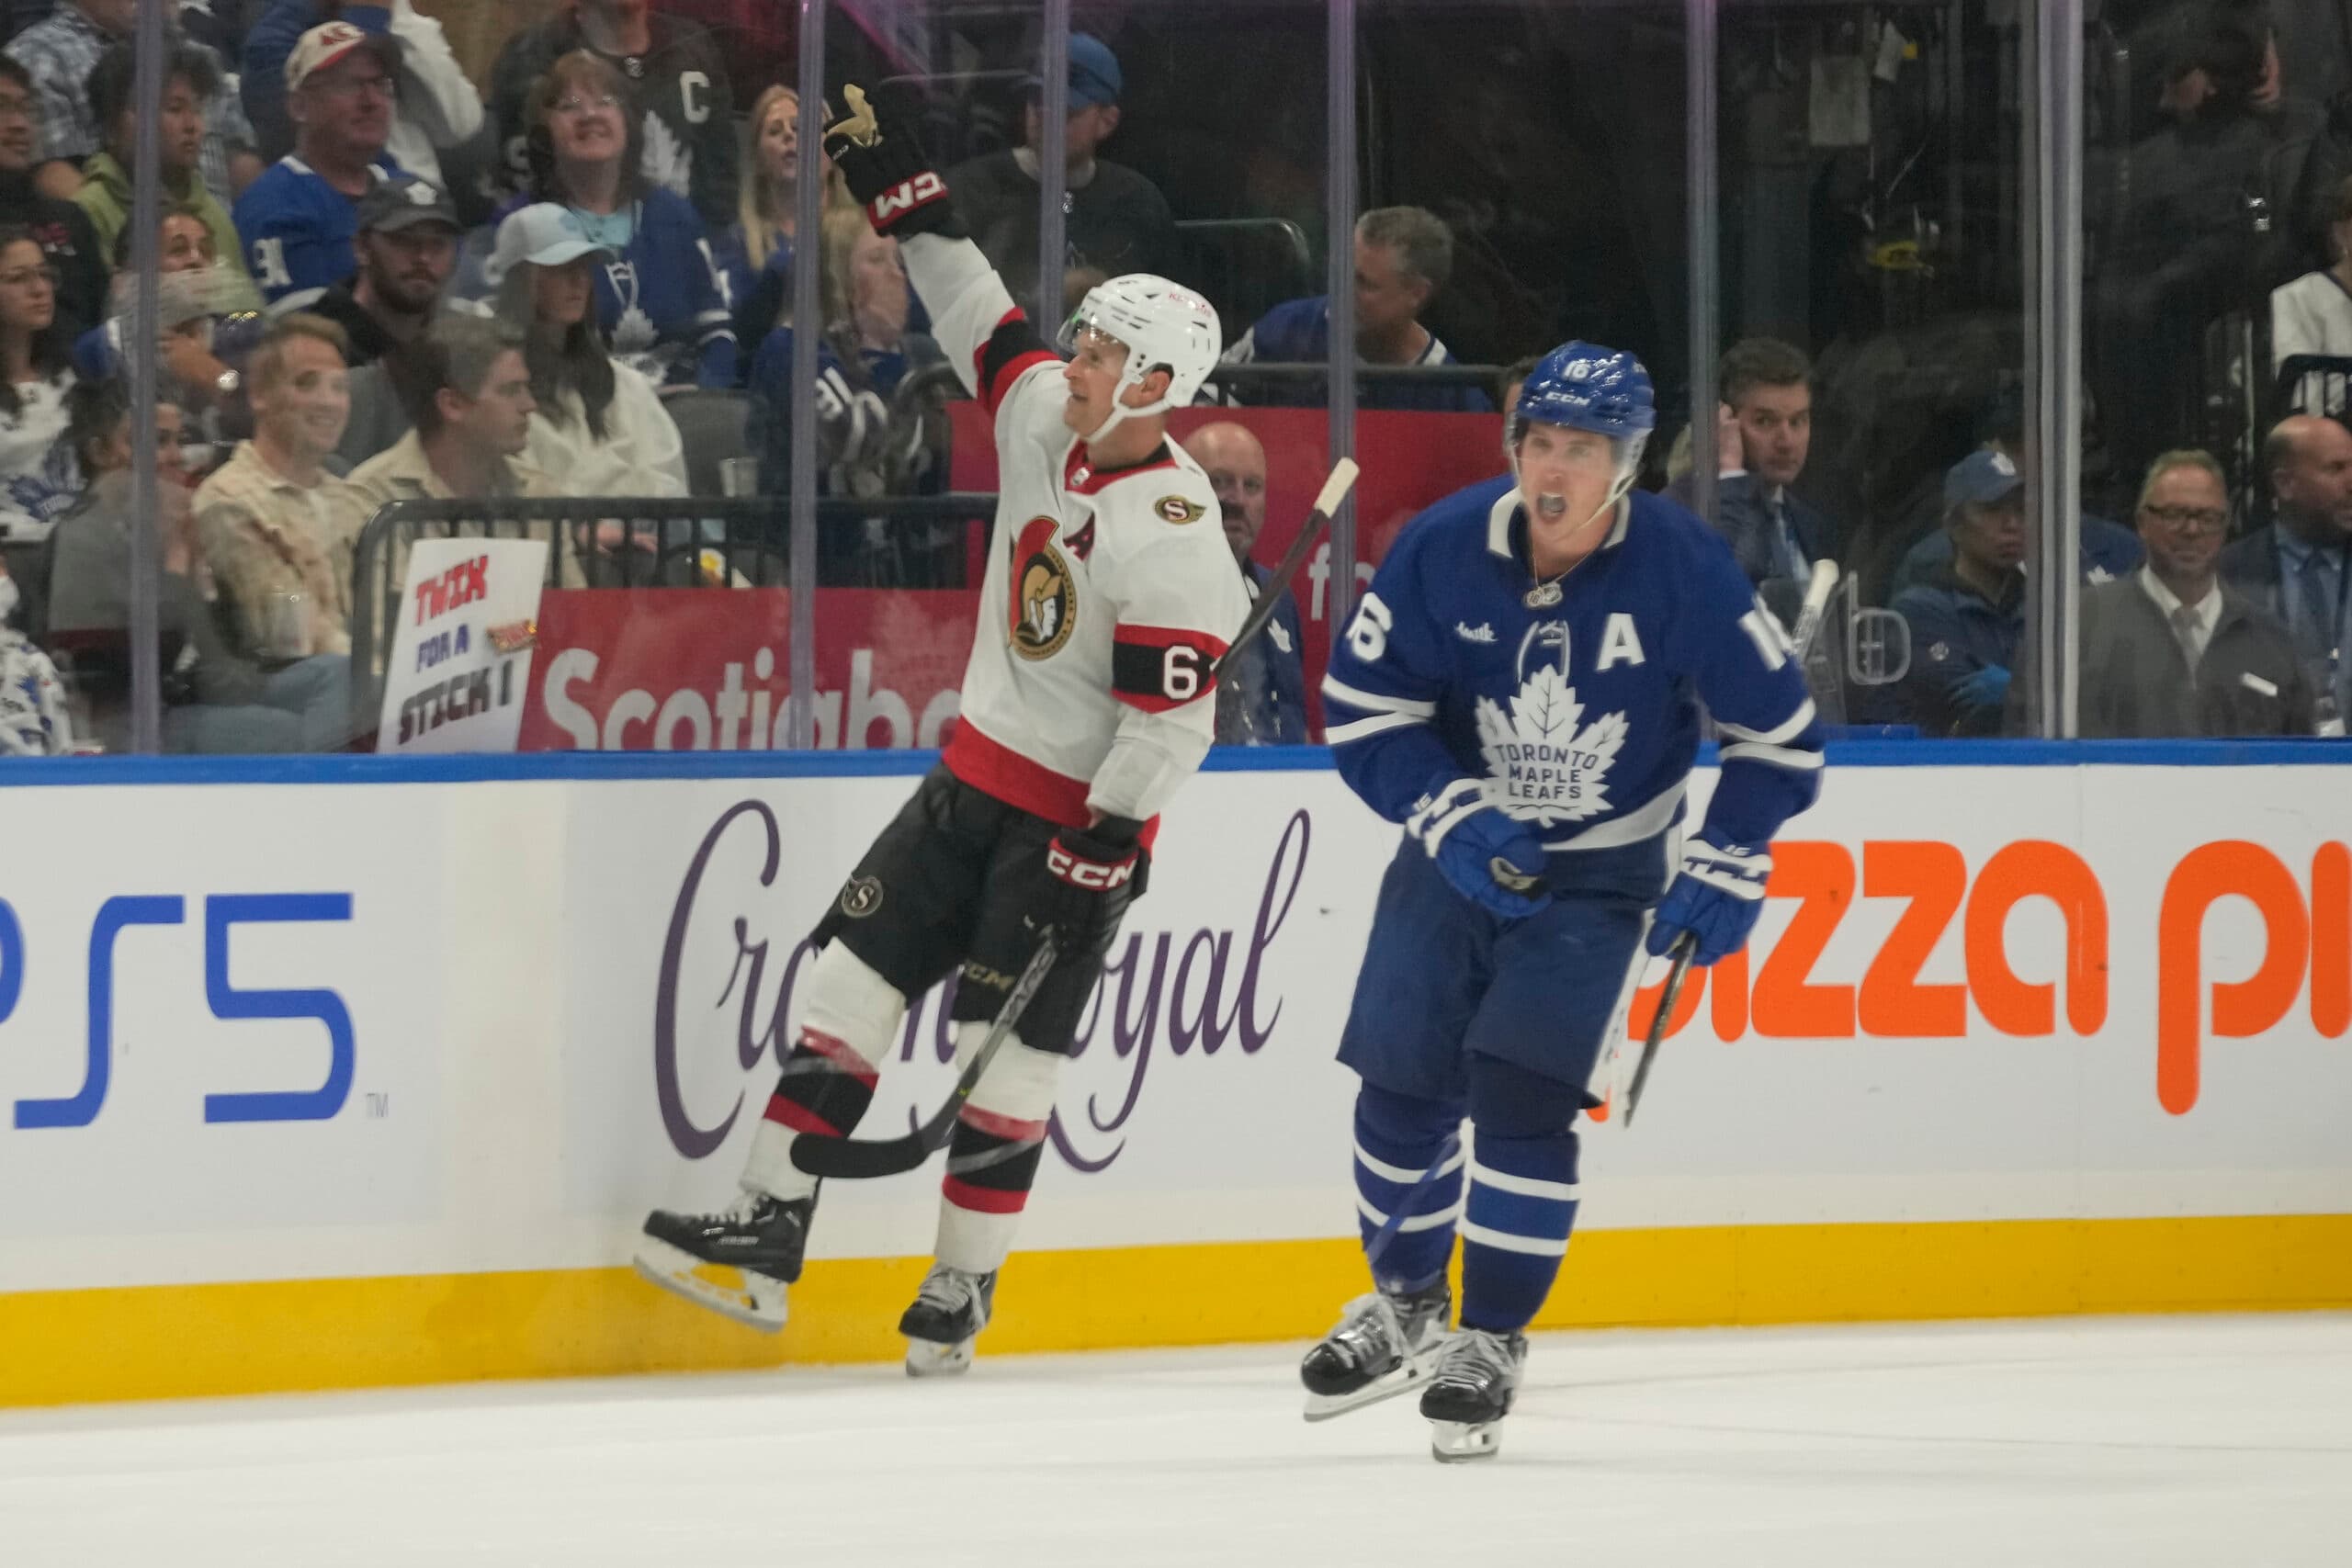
{"x": 1092, "y": 875}
{"x": 908, "y": 194}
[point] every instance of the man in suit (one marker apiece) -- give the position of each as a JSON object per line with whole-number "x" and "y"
{"x": 1764, "y": 433}
{"x": 2172, "y": 649}
{"x": 2296, "y": 566}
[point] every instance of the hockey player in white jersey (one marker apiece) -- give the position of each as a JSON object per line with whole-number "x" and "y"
{"x": 1521, "y": 690}
{"x": 1088, "y": 699}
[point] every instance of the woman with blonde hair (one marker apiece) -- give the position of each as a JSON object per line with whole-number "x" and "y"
{"x": 755, "y": 254}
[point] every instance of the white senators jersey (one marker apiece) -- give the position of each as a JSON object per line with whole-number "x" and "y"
{"x": 1108, "y": 595}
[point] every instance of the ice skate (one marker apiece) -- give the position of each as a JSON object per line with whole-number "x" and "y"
{"x": 1384, "y": 1344}
{"x": 736, "y": 1261}
{"x": 948, "y": 1313}
{"x": 1470, "y": 1393}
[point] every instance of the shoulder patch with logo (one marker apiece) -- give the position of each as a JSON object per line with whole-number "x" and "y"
{"x": 1176, "y": 509}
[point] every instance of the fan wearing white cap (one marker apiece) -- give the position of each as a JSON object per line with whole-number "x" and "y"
{"x": 1089, "y": 697}
{"x": 298, "y": 219}
{"x": 600, "y": 426}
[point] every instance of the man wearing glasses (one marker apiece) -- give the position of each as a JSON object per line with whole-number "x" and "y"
{"x": 2172, "y": 651}
{"x": 298, "y": 219}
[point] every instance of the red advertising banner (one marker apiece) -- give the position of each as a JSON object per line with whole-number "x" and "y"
{"x": 698, "y": 670}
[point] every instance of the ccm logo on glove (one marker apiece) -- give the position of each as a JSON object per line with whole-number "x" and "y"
{"x": 1095, "y": 877}
{"x": 906, "y": 195}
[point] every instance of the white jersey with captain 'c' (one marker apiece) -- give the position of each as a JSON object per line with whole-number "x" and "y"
{"x": 1107, "y": 598}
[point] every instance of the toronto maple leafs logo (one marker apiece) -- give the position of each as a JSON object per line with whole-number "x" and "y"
{"x": 667, "y": 162}
{"x": 1543, "y": 767}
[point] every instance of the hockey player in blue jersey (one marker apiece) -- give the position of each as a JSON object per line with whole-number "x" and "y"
{"x": 1520, "y": 689}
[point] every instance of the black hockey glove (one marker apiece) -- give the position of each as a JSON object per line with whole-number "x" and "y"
{"x": 1091, "y": 875}
{"x": 888, "y": 172}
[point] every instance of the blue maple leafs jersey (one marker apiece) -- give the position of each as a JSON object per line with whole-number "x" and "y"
{"x": 296, "y": 231}
{"x": 1580, "y": 720}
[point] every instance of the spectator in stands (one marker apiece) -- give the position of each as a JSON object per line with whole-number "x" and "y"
{"x": 2109, "y": 550}
{"x": 2314, "y": 314}
{"x": 62, "y": 229}
{"x": 33, "y": 717}
{"x": 2296, "y": 566}
{"x": 2172, "y": 651}
{"x": 1968, "y": 618}
{"x": 105, "y": 195}
{"x": 435, "y": 108}
{"x": 406, "y": 246}
{"x": 1514, "y": 377}
{"x": 205, "y": 306}
{"x": 682, "y": 95}
{"x": 870, "y": 447}
{"x": 1763, "y": 434}
{"x": 2179, "y": 255}
{"x": 60, "y": 50}
{"x": 599, "y": 427}
{"x": 661, "y": 304}
{"x": 1114, "y": 217}
{"x": 1262, "y": 701}
{"x": 468, "y": 389}
{"x": 35, "y": 372}
{"x": 277, "y": 530}
{"x": 756, "y": 250}
{"x": 214, "y": 701}
{"x": 1403, "y": 256}
{"x": 298, "y": 219}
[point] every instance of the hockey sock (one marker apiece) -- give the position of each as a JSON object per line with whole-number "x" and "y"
{"x": 829, "y": 1075}
{"x": 1397, "y": 1136}
{"x": 992, "y": 1160}
{"x": 1522, "y": 1201}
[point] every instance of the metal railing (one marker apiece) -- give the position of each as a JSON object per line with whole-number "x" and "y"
{"x": 599, "y": 542}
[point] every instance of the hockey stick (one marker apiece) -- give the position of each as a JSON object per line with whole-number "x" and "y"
{"x": 1809, "y": 616}
{"x": 1379, "y": 1240}
{"x": 1684, "y": 946}
{"x": 863, "y": 1159}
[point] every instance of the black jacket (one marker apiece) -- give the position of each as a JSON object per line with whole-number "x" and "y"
{"x": 64, "y": 231}
{"x": 2135, "y": 679}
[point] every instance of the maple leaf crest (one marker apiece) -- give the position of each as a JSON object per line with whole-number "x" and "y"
{"x": 1542, "y": 767}
{"x": 667, "y": 162}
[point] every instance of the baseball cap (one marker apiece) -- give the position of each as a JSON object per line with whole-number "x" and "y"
{"x": 543, "y": 234}
{"x": 1979, "y": 478}
{"x": 1094, "y": 76}
{"x": 404, "y": 201}
{"x": 329, "y": 43}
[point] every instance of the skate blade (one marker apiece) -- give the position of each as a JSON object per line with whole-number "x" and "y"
{"x": 753, "y": 1299}
{"x": 928, "y": 1359}
{"x": 1402, "y": 1379}
{"x": 1460, "y": 1442}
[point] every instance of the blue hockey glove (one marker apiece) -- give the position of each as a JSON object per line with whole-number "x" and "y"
{"x": 1717, "y": 898}
{"x": 1490, "y": 859}
{"x": 1987, "y": 688}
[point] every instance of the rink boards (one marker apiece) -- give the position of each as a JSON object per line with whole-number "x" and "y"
{"x": 366, "y": 1075}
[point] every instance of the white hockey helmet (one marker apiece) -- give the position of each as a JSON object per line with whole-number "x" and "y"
{"x": 1161, "y": 324}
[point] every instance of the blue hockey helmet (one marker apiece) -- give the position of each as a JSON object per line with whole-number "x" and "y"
{"x": 1585, "y": 387}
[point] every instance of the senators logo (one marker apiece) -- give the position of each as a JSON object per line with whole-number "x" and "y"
{"x": 1045, "y": 596}
{"x": 1176, "y": 509}
{"x": 860, "y": 896}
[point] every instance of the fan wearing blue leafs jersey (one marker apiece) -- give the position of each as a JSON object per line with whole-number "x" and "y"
{"x": 1521, "y": 690}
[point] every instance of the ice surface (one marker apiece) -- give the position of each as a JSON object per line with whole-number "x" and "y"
{"x": 2181, "y": 1440}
